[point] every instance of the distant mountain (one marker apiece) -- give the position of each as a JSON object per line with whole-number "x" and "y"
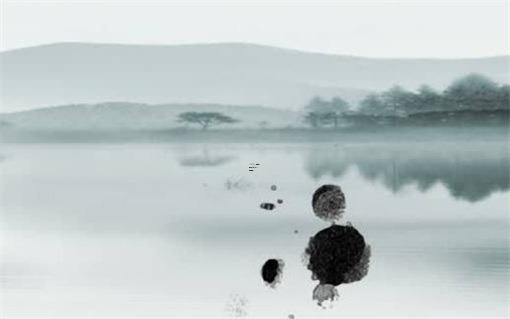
{"x": 230, "y": 73}
{"x": 133, "y": 116}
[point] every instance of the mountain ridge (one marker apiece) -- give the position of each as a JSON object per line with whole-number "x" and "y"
{"x": 253, "y": 45}
{"x": 224, "y": 73}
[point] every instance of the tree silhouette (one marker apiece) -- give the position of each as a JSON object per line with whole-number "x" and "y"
{"x": 504, "y": 97}
{"x": 325, "y": 112}
{"x": 206, "y": 119}
{"x": 313, "y": 118}
{"x": 428, "y": 100}
{"x": 473, "y": 91}
{"x": 372, "y": 104}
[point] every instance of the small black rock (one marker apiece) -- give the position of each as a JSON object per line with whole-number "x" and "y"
{"x": 267, "y": 206}
{"x": 271, "y": 270}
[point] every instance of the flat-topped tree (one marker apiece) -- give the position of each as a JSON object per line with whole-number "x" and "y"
{"x": 206, "y": 119}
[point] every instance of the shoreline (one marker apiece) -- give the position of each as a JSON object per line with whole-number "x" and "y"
{"x": 400, "y": 134}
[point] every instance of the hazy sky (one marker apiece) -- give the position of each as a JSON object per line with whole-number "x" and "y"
{"x": 368, "y": 28}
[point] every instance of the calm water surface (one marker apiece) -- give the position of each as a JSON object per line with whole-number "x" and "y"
{"x": 170, "y": 231}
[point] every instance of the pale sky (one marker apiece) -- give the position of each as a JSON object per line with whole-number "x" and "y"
{"x": 415, "y": 28}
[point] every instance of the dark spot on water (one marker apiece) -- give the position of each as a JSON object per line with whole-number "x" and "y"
{"x": 333, "y": 253}
{"x": 267, "y": 206}
{"x": 328, "y": 202}
{"x": 271, "y": 271}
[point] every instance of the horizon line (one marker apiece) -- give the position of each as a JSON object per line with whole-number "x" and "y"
{"x": 241, "y": 43}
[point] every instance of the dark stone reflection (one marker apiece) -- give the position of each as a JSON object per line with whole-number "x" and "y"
{"x": 470, "y": 173}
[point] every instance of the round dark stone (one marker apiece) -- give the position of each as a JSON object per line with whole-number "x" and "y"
{"x": 333, "y": 252}
{"x": 328, "y": 202}
{"x": 270, "y": 270}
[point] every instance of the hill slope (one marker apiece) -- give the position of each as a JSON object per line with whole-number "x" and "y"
{"x": 236, "y": 74}
{"x": 133, "y": 116}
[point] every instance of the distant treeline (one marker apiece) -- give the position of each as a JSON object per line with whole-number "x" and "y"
{"x": 473, "y": 100}
{"x": 473, "y": 97}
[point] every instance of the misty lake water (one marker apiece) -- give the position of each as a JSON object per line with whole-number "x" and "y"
{"x": 175, "y": 230}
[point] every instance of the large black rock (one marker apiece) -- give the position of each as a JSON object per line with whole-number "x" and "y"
{"x": 333, "y": 252}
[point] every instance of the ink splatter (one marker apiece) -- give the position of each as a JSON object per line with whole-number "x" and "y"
{"x": 267, "y": 206}
{"x": 291, "y": 316}
{"x": 272, "y": 271}
{"x": 323, "y": 293}
{"x": 333, "y": 253}
{"x": 328, "y": 202}
{"x": 236, "y": 306}
{"x": 237, "y": 184}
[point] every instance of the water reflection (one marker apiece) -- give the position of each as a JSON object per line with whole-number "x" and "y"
{"x": 205, "y": 159}
{"x": 469, "y": 173}
{"x": 132, "y": 215}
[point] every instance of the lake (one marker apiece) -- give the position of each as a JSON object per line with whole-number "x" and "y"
{"x": 176, "y": 230}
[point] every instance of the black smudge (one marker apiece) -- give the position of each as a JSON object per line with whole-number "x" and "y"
{"x": 328, "y": 202}
{"x": 267, "y": 206}
{"x": 334, "y": 252}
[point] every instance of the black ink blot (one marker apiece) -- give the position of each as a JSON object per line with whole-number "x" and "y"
{"x": 267, "y": 206}
{"x": 279, "y": 201}
{"x": 273, "y": 187}
{"x": 334, "y": 252}
{"x": 271, "y": 271}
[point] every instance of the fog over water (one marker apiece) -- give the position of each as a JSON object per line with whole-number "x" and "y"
{"x": 174, "y": 230}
